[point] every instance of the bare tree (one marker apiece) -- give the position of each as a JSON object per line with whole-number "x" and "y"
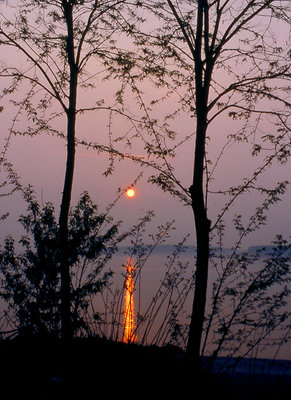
{"x": 56, "y": 41}
{"x": 220, "y": 57}
{"x": 217, "y": 57}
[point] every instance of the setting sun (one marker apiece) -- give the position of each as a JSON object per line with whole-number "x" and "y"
{"x": 130, "y": 192}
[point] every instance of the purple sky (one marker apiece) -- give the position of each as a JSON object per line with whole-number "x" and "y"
{"x": 40, "y": 161}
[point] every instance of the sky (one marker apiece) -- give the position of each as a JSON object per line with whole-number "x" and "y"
{"x": 40, "y": 161}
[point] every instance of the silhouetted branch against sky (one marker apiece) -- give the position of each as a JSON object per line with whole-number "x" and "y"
{"x": 221, "y": 57}
{"x": 55, "y": 42}
{"x": 196, "y": 91}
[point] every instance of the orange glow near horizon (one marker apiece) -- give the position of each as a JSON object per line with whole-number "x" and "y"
{"x": 129, "y": 315}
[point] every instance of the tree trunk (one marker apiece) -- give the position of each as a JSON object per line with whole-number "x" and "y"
{"x": 202, "y": 227}
{"x": 66, "y": 328}
{"x": 202, "y": 223}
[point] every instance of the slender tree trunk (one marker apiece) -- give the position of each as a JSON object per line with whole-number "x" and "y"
{"x": 66, "y": 329}
{"x": 202, "y": 227}
{"x": 202, "y": 223}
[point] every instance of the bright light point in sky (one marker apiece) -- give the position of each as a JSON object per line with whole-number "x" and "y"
{"x": 130, "y": 192}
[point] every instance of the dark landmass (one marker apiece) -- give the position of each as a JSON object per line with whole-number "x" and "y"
{"x": 267, "y": 249}
{"x": 42, "y": 369}
{"x": 188, "y": 249}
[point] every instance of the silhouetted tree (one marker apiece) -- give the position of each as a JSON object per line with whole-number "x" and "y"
{"x": 216, "y": 57}
{"x": 56, "y": 40}
{"x": 30, "y": 279}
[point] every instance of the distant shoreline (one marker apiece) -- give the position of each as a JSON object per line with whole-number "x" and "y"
{"x": 169, "y": 248}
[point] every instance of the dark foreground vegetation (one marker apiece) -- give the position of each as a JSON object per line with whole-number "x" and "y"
{"x": 33, "y": 368}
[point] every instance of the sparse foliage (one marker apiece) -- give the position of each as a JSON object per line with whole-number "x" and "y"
{"x": 217, "y": 59}
{"x": 56, "y": 43}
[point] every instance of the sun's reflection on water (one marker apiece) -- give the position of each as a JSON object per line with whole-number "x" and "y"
{"x": 129, "y": 313}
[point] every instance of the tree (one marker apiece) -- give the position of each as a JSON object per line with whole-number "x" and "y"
{"x": 30, "y": 282}
{"x": 218, "y": 58}
{"x": 57, "y": 40}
